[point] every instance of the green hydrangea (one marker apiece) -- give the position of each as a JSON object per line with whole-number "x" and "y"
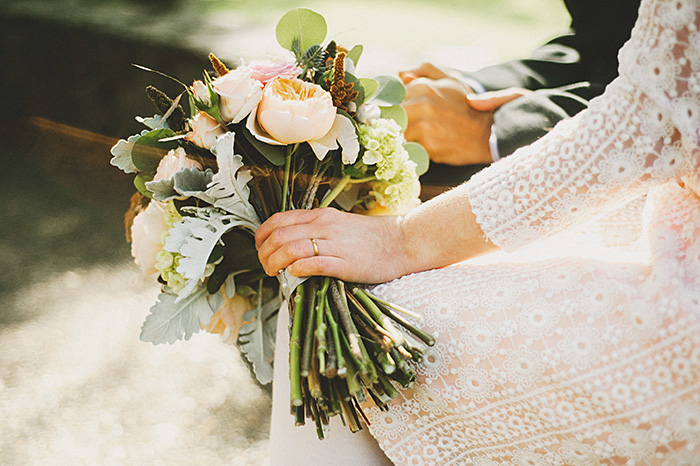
{"x": 383, "y": 143}
{"x": 167, "y": 262}
{"x": 397, "y": 188}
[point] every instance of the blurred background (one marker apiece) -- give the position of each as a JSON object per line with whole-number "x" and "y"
{"x": 77, "y": 386}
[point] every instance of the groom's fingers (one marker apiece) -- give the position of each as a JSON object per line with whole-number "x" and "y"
{"x": 426, "y": 70}
{"x": 490, "y": 101}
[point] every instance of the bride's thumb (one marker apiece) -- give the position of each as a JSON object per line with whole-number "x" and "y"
{"x": 492, "y": 100}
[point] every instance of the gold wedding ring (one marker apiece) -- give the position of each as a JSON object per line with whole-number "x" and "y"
{"x": 313, "y": 243}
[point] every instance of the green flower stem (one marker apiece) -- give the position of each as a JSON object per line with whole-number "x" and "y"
{"x": 393, "y": 306}
{"x": 337, "y": 189}
{"x": 340, "y": 360}
{"x": 314, "y": 380}
{"x": 295, "y": 347}
{"x": 309, "y": 333}
{"x": 285, "y": 185}
{"x": 321, "y": 303}
{"x": 338, "y": 295}
{"x": 388, "y": 311}
{"x": 378, "y": 316}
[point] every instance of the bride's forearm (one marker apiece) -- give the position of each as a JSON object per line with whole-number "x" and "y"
{"x": 441, "y": 232}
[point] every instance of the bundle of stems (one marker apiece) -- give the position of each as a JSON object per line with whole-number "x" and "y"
{"x": 346, "y": 344}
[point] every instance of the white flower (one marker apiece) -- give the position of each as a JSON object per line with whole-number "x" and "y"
{"x": 200, "y": 91}
{"x": 146, "y": 233}
{"x": 174, "y": 161}
{"x": 239, "y": 93}
{"x": 204, "y": 130}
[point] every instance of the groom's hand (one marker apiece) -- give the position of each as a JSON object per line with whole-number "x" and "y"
{"x": 444, "y": 115}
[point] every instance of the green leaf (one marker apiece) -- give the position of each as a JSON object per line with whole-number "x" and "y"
{"x": 148, "y": 150}
{"x": 239, "y": 254}
{"x": 396, "y": 113}
{"x": 170, "y": 321}
{"x": 355, "y": 53}
{"x": 391, "y": 91}
{"x": 274, "y": 154}
{"x": 140, "y": 184}
{"x": 356, "y": 86}
{"x": 419, "y": 156}
{"x": 370, "y": 85}
{"x": 305, "y": 25}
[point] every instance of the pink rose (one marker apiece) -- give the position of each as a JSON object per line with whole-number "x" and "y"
{"x": 174, "y": 161}
{"x": 204, "y": 130}
{"x": 146, "y": 232}
{"x": 238, "y": 93}
{"x": 267, "y": 70}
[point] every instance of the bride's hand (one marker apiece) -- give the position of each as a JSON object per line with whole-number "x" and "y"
{"x": 348, "y": 246}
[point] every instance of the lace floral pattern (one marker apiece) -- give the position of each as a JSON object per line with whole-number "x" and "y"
{"x": 589, "y": 359}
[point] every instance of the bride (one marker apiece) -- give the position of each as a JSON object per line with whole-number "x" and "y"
{"x": 563, "y": 361}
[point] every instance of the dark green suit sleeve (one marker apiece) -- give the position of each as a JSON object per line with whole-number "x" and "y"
{"x": 565, "y": 73}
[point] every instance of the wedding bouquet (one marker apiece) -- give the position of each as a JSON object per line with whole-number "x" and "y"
{"x": 261, "y": 138}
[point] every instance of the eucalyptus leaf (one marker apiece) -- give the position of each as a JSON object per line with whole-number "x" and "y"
{"x": 355, "y": 53}
{"x": 171, "y": 320}
{"x": 396, "y": 113}
{"x": 140, "y": 184}
{"x": 274, "y": 154}
{"x": 419, "y": 156}
{"x": 370, "y": 86}
{"x": 391, "y": 91}
{"x": 356, "y": 86}
{"x": 256, "y": 339}
{"x": 305, "y": 25}
{"x": 148, "y": 150}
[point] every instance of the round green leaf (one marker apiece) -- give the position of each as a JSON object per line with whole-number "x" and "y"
{"x": 419, "y": 156}
{"x": 306, "y": 26}
{"x": 391, "y": 91}
{"x": 140, "y": 183}
{"x": 355, "y": 53}
{"x": 148, "y": 150}
{"x": 396, "y": 113}
{"x": 370, "y": 85}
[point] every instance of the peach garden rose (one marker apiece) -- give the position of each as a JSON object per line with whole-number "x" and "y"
{"x": 293, "y": 111}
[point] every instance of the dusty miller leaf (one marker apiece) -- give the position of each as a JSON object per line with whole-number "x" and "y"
{"x": 229, "y": 187}
{"x": 194, "y": 238}
{"x": 170, "y": 320}
{"x": 256, "y": 339}
{"x": 187, "y": 182}
{"x": 121, "y": 152}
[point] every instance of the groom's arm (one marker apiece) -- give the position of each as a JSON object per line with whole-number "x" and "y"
{"x": 565, "y": 73}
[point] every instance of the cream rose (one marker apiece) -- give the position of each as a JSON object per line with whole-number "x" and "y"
{"x": 204, "y": 130}
{"x": 238, "y": 93}
{"x": 174, "y": 161}
{"x": 146, "y": 233}
{"x": 293, "y": 111}
{"x": 200, "y": 91}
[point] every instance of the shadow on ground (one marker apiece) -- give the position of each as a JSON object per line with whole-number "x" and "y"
{"x": 77, "y": 387}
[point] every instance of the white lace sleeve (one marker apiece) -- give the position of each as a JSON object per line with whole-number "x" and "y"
{"x": 644, "y": 130}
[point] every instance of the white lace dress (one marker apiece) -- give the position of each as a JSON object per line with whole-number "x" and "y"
{"x": 555, "y": 355}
